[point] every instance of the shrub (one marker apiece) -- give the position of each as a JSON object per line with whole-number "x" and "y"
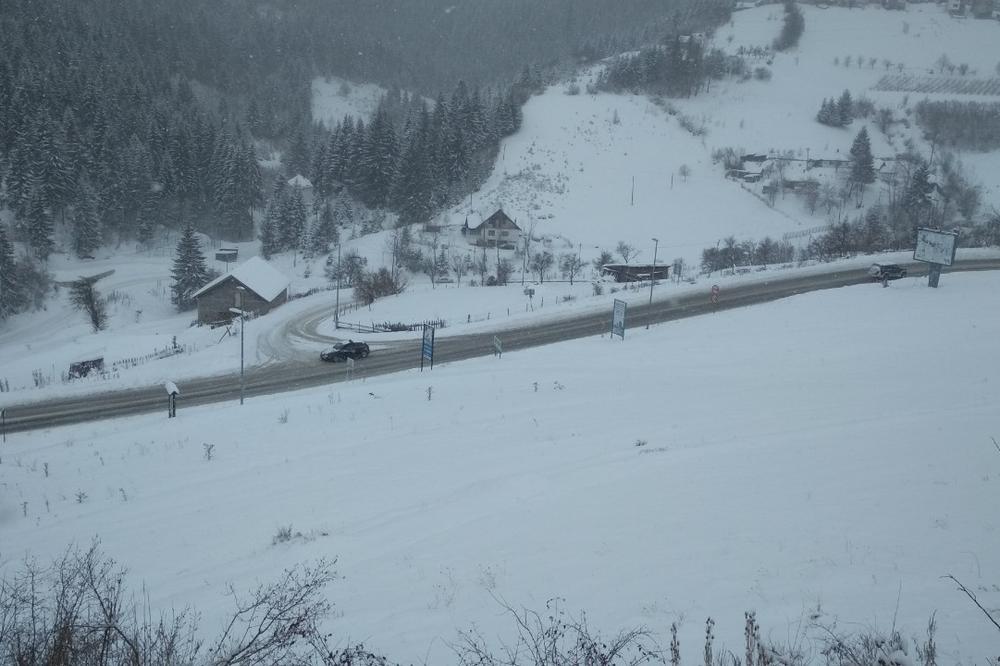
{"x": 371, "y": 286}
{"x": 78, "y": 611}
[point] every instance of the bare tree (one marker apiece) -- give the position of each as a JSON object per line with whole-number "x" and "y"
{"x": 603, "y": 259}
{"x": 570, "y": 265}
{"x": 460, "y": 265}
{"x": 542, "y": 262}
{"x": 626, "y": 251}
{"x": 480, "y": 266}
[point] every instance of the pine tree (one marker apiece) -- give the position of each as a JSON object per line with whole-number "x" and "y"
{"x": 845, "y": 109}
{"x": 379, "y": 159}
{"x": 293, "y": 220}
{"x": 917, "y": 198}
{"x": 85, "y": 221}
{"x": 828, "y": 113}
{"x": 324, "y": 232}
{"x": 39, "y": 226}
{"x": 412, "y": 190}
{"x": 19, "y": 179}
{"x": 270, "y": 243}
{"x": 11, "y": 289}
{"x": 272, "y": 230}
{"x": 52, "y": 168}
{"x": 873, "y": 232}
{"x": 189, "y": 271}
{"x": 862, "y": 162}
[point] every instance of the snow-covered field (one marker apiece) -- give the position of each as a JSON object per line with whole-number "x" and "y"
{"x": 828, "y": 455}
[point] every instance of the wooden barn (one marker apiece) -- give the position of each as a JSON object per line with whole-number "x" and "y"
{"x": 498, "y": 228}
{"x": 264, "y": 288}
{"x": 636, "y": 272}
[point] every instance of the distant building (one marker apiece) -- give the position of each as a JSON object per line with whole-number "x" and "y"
{"x": 497, "y": 229}
{"x": 264, "y": 288}
{"x": 300, "y": 181}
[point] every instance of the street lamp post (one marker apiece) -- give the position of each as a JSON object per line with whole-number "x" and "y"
{"x": 336, "y": 307}
{"x": 652, "y": 274}
{"x": 240, "y": 294}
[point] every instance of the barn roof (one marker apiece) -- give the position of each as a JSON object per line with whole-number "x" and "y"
{"x": 256, "y": 275}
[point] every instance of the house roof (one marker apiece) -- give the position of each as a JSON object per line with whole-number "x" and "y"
{"x": 498, "y": 220}
{"x": 300, "y": 181}
{"x": 256, "y": 275}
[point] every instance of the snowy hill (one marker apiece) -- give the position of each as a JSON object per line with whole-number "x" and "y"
{"x": 569, "y": 172}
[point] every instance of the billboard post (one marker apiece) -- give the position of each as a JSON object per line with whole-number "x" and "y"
{"x": 936, "y": 248}
{"x": 427, "y": 347}
{"x": 618, "y": 319}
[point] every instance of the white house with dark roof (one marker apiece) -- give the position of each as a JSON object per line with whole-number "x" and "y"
{"x": 498, "y": 228}
{"x": 264, "y": 288}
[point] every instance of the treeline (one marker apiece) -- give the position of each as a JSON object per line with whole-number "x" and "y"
{"x": 107, "y": 140}
{"x": 116, "y": 117}
{"x": 791, "y": 29}
{"x": 730, "y": 254}
{"x": 679, "y": 69}
{"x": 434, "y": 158}
{"x": 964, "y": 125}
{"x": 878, "y": 230}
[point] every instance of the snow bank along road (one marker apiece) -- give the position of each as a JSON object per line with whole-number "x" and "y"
{"x": 292, "y": 375}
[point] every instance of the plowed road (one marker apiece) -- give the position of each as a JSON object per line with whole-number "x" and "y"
{"x": 288, "y": 376}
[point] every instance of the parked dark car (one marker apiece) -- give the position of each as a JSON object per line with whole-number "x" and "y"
{"x": 345, "y": 350}
{"x": 880, "y": 272}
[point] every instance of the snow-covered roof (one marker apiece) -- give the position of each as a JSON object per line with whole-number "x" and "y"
{"x": 300, "y": 181}
{"x": 256, "y": 275}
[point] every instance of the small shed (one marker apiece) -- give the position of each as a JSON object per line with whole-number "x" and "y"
{"x": 265, "y": 288}
{"x": 498, "y": 228}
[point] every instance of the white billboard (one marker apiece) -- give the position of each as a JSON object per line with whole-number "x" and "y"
{"x": 936, "y": 247}
{"x": 618, "y": 319}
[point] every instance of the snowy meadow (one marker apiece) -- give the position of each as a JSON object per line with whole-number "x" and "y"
{"x": 824, "y": 459}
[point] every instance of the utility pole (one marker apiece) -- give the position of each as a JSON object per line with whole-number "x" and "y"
{"x": 336, "y": 307}
{"x": 652, "y": 275}
{"x": 524, "y": 259}
{"x": 240, "y": 294}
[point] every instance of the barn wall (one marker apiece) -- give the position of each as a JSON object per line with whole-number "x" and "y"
{"x": 213, "y": 305}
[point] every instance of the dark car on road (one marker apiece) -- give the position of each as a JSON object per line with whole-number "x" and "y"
{"x": 880, "y": 272}
{"x": 345, "y": 350}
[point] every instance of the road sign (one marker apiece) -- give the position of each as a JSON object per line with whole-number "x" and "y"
{"x": 618, "y": 319}
{"x": 427, "y": 347}
{"x": 497, "y": 346}
{"x": 715, "y": 294}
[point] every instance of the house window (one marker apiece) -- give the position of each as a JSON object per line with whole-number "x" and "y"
{"x": 505, "y": 233}
{"x": 491, "y": 233}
